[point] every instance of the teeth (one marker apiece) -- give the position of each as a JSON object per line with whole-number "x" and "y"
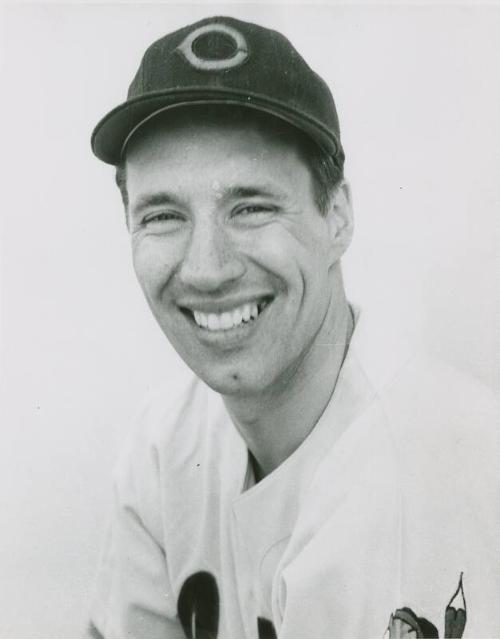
{"x": 236, "y": 318}
{"x": 201, "y": 319}
{"x": 213, "y": 322}
{"x": 229, "y": 319}
{"x": 226, "y": 320}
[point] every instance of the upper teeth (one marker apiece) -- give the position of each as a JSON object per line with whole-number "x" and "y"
{"x": 227, "y": 320}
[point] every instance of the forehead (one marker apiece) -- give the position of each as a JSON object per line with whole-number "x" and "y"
{"x": 211, "y": 141}
{"x": 180, "y": 122}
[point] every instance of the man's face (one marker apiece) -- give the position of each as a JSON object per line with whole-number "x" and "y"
{"x": 230, "y": 249}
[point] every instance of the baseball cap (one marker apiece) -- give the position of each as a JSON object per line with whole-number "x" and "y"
{"x": 222, "y": 60}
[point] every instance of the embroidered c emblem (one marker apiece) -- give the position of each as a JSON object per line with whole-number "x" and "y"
{"x": 231, "y": 52}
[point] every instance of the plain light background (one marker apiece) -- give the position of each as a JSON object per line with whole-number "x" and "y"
{"x": 418, "y": 93}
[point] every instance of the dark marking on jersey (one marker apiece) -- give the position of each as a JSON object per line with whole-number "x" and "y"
{"x": 198, "y": 609}
{"x": 428, "y": 629}
{"x": 198, "y": 606}
{"x": 404, "y": 621}
{"x": 93, "y": 632}
{"x": 455, "y": 616}
{"x": 266, "y": 629}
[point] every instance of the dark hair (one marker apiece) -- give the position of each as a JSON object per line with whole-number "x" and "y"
{"x": 327, "y": 171}
{"x": 121, "y": 182}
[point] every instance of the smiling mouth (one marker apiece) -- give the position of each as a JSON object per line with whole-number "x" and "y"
{"x": 237, "y": 317}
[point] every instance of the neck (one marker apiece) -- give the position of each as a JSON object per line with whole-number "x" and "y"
{"x": 276, "y": 422}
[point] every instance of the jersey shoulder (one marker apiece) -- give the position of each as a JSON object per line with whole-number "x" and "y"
{"x": 419, "y": 390}
{"x": 170, "y": 434}
{"x": 440, "y": 400}
{"x": 160, "y": 414}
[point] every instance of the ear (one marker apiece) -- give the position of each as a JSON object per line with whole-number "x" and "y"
{"x": 340, "y": 221}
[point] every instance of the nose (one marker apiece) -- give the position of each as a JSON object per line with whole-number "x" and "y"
{"x": 211, "y": 260}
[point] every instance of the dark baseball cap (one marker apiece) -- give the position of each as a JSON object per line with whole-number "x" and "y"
{"x": 221, "y": 60}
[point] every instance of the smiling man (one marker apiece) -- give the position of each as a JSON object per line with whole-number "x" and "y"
{"x": 240, "y": 267}
{"x": 302, "y": 486}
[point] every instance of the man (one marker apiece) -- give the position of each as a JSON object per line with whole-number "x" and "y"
{"x": 316, "y": 479}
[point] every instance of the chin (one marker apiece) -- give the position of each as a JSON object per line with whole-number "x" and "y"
{"x": 233, "y": 382}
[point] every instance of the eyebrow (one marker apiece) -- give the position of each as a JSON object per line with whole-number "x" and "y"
{"x": 252, "y": 191}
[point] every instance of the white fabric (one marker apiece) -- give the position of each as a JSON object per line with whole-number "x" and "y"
{"x": 392, "y": 496}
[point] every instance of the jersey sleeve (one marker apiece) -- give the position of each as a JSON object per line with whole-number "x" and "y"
{"x": 132, "y": 597}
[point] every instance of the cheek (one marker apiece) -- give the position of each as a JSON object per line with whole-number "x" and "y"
{"x": 287, "y": 251}
{"x": 154, "y": 261}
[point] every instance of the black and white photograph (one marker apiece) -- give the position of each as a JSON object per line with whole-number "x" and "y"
{"x": 250, "y": 320}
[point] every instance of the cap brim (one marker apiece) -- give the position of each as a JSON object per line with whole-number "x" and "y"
{"x": 112, "y": 133}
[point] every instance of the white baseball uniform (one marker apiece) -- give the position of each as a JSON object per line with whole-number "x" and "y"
{"x": 391, "y": 498}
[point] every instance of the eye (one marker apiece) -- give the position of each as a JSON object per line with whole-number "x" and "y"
{"x": 253, "y": 209}
{"x": 160, "y": 222}
{"x": 164, "y": 216}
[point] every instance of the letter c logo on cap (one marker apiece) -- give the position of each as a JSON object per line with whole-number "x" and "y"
{"x": 214, "y": 47}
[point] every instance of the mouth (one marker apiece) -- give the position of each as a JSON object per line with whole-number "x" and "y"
{"x": 234, "y": 318}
